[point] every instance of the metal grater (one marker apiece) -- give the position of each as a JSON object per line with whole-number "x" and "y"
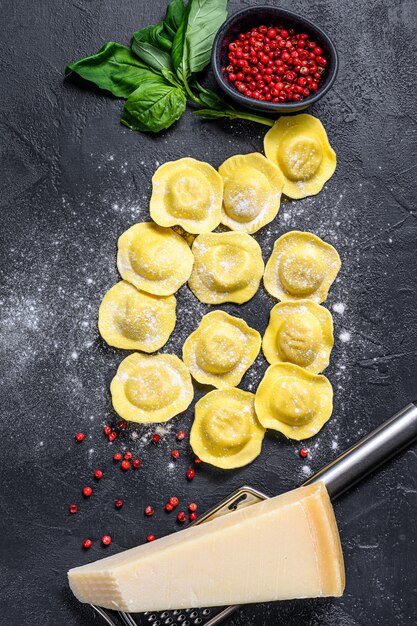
{"x": 373, "y": 450}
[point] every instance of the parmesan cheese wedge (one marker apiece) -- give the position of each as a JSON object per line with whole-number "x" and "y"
{"x": 280, "y": 549}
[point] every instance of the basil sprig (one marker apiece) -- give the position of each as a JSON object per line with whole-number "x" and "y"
{"x": 156, "y": 75}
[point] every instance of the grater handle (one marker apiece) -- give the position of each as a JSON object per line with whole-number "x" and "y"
{"x": 370, "y": 452}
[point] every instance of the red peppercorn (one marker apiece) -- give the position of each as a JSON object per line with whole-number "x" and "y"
{"x": 197, "y": 461}
{"x": 156, "y": 438}
{"x": 117, "y": 456}
{"x": 136, "y": 463}
{"x": 190, "y": 473}
{"x": 128, "y": 456}
{"x": 193, "y": 517}
{"x": 122, "y": 424}
{"x": 169, "y": 507}
{"x": 318, "y": 51}
{"x": 175, "y": 454}
{"x": 79, "y": 437}
{"x": 106, "y": 540}
{"x": 87, "y": 543}
{"x": 87, "y": 491}
{"x": 232, "y": 77}
{"x": 98, "y": 474}
{"x": 303, "y": 453}
{"x": 107, "y": 430}
{"x": 118, "y": 504}
{"x": 150, "y": 538}
{"x": 73, "y": 508}
{"x": 181, "y": 517}
{"x": 149, "y": 511}
{"x": 192, "y": 507}
{"x": 174, "y": 501}
{"x": 112, "y": 436}
{"x": 125, "y": 465}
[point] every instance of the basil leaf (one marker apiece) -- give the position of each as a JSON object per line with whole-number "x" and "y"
{"x": 191, "y": 49}
{"x": 114, "y": 68}
{"x": 213, "y": 101}
{"x": 152, "y": 55}
{"x": 153, "y": 106}
{"x": 154, "y": 35}
{"x": 174, "y": 16}
{"x": 170, "y": 77}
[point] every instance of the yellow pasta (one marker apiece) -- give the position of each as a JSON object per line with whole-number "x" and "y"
{"x": 187, "y": 193}
{"x": 299, "y": 146}
{"x": 221, "y": 350}
{"x": 252, "y": 192}
{"x": 226, "y": 432}
{"x": 293, "y": 401}
{"x": 302, "y": 266}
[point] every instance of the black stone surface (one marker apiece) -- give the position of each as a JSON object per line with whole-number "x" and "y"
{"x": 72, "y": 180}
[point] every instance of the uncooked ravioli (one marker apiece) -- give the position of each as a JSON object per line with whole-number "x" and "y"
{"x": 299, "y": 332}
{"x": 228, "y": 267}
{"x": 151, "y": 388}
{"x": 299, "y": 146}
{"x": 226, "y": 431}
{"x": 221, "y": 350}
{"x": 293, "y": 401}
{"x": 154, "y": 259}
{"x": 134, "y": 320}
{"x": 252, "y": 191}
{"x": 187, "y": 193}
{"x": 301, "y": 266}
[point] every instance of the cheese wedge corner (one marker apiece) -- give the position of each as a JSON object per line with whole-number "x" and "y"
{"x": 283, "y": 548}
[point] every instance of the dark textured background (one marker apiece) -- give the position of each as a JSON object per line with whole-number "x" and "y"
{"x": 72, "y": 180}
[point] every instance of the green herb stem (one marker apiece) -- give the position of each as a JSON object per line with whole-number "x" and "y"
{"x": 254, "y": 118}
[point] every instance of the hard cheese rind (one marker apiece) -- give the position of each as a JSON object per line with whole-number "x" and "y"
{"x": 280, "y": 549}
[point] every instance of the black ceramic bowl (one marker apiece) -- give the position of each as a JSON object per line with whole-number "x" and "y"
{"x": 247, "y": 19}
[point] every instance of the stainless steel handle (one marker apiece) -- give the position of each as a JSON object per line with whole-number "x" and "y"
{"x": 373, "y": 450}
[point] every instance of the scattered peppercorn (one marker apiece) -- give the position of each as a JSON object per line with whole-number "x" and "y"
{"x": 192, "y": 507}
{"x": 128, "y": 456}
{"x": 174, "y": 501}
{"x": 87, "y": 491}
{"x": 117, "y": 457}
{"x": 197, "y": 461}
{"x": 190, "y": 473}
{"x": 118, "y": 504}
{"x": 156, "y": 438}
{"x": 136, "y": 463}
{"x": 266, "y": 63}
{"x": 169, "y": 507}
{"x": 175, "y": 454}
{"x": 79, "y": 437}
{"x": 125, "y": 465}
{"x": 181, "y": 517}
{"x": 122, "y": 424}
{"x": 107, "y": 430}
{"x": 98, "y": 474}
{"x": 303, "y": 453}
{"x": 87, "y": 543}
{"x": 73, "y": 508}
{"x": 149, "y": 511}
{"x": 193, "y": 517}
{"x": 106, "y": 540}
{"x": 181, "y": 435}
{"x": 150, "y": 538}
{"x": 112, "y": 436}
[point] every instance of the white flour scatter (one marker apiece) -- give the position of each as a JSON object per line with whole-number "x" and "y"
{"x": 345, "y": 336}
{"x": 339, "y": 308}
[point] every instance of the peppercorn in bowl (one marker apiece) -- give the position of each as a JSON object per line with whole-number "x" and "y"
{"x": 272, "y": 60}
